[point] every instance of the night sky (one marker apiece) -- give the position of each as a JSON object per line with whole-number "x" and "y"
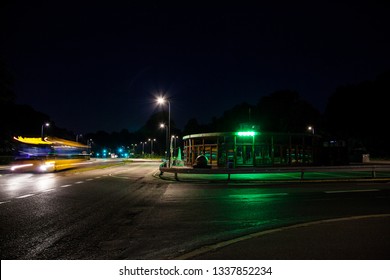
{"x": 100, "y": 66}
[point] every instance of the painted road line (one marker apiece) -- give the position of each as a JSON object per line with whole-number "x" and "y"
{"x": 26, "y": 195}
{"x": 3, "y": 202}
{"x": 65, "y": 186}
{"x": 352, "y": 191}
{"x": 213, "y": 247}
{"x": 79, "y": 182}
{"x": 48, "y": 190}
{"x": 90, "y": 179}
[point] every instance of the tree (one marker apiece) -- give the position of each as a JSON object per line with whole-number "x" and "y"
{"x": 231, "y": 119}
{"x": 284, "y": 111}
{"x": 357, "y": 113}
{"x": 192, "y": 127}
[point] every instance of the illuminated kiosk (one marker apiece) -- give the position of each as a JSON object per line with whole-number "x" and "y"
{"x": 251, "y": 148}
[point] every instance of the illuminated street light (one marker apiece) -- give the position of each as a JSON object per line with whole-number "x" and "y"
{"x": 151, "y": 145}
{"x": 77, "y": 137}
{"x": 162, "y": 125}
{"x": 311, "y": 128}
{"x": 45, "y": 124}
{"x": 133, "y": 149}
{"x": 143, "y": 147}
{"x": 162, "y": 100}
{"x": 174, "y": 138}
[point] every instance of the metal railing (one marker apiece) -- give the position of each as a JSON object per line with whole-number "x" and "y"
{"x": 303, "y": 170}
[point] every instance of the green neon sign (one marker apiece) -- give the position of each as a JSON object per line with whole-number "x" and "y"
{"x": 246, "y": 133}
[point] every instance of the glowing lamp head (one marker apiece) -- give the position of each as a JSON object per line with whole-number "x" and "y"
{"x": 160, "y": 100}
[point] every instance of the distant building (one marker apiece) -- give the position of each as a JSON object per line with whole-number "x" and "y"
{"x": 249, "y": 147}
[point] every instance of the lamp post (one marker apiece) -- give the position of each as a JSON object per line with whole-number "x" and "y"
{"x": 77, "y": 137}
{"x": 45, "y": 124}
{"x": 89, "y": 144}
{"x": 162, "y": 100}
{"x": 133, "y": 147}
{"x": 162, "y": 125}
{"x": 143, "y": 147}
{"x": 151, "y": 145}
{"x": 311, "y": 128}
{"x": 174, "y": 149}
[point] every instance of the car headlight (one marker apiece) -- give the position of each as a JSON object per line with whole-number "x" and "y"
{"x": 48, "y": 165}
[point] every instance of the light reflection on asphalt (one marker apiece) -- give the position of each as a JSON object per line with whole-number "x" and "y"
{"x": 19, "y": 185}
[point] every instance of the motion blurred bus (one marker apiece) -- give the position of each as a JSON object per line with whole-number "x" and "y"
{"x": 48, "y": 154}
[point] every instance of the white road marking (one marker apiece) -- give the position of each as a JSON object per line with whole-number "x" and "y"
{"x": 79, "y": 182}
{"x": 3, "y": 202}
{"x": 352, "y": 191}
{"x": 90, "y": 179}
{"x": 65, "y": 186}
{"x": 222, "y": 244}
{"x": 26, "y": 195}
{"x": 48, "y": 190}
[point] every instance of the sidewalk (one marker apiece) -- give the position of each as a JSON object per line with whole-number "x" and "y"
{"x": 353, "y": 238}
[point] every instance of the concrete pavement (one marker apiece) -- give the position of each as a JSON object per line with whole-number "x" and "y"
{"x": 350, "y": 238}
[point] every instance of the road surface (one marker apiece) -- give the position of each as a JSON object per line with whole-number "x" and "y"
{"x": 127, "y": 212}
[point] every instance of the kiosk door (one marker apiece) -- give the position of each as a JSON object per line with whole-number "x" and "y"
{"x": 244, "y": 155}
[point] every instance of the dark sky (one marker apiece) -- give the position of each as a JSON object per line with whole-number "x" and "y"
{"x": 99, "y": 66}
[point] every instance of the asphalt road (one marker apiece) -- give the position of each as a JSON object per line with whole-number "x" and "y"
{"x": 128, "y": 212}
{"x": 70, "y": 215}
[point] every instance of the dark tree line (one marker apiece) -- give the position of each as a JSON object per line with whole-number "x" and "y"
{"x": 360, "y": 113}
{"x": 356, "y": 113}
{"x": 282, "y": 111}
{"x": 19, "y": 119}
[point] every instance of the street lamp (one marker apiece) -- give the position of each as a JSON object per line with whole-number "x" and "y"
{"x": 45, "y": 124}
{"x": 77, "y": 137}
{"x": 174, "y": 138}
{"x": 143, "y": 147}
{"x": 311, "y": 128}
{"x": 89, "y": 144}
{"x": 133, "y": 147}
{"x": 162, "y": 100}
{"x": 151, "y": 145}
{"x": 162, "y": 125}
